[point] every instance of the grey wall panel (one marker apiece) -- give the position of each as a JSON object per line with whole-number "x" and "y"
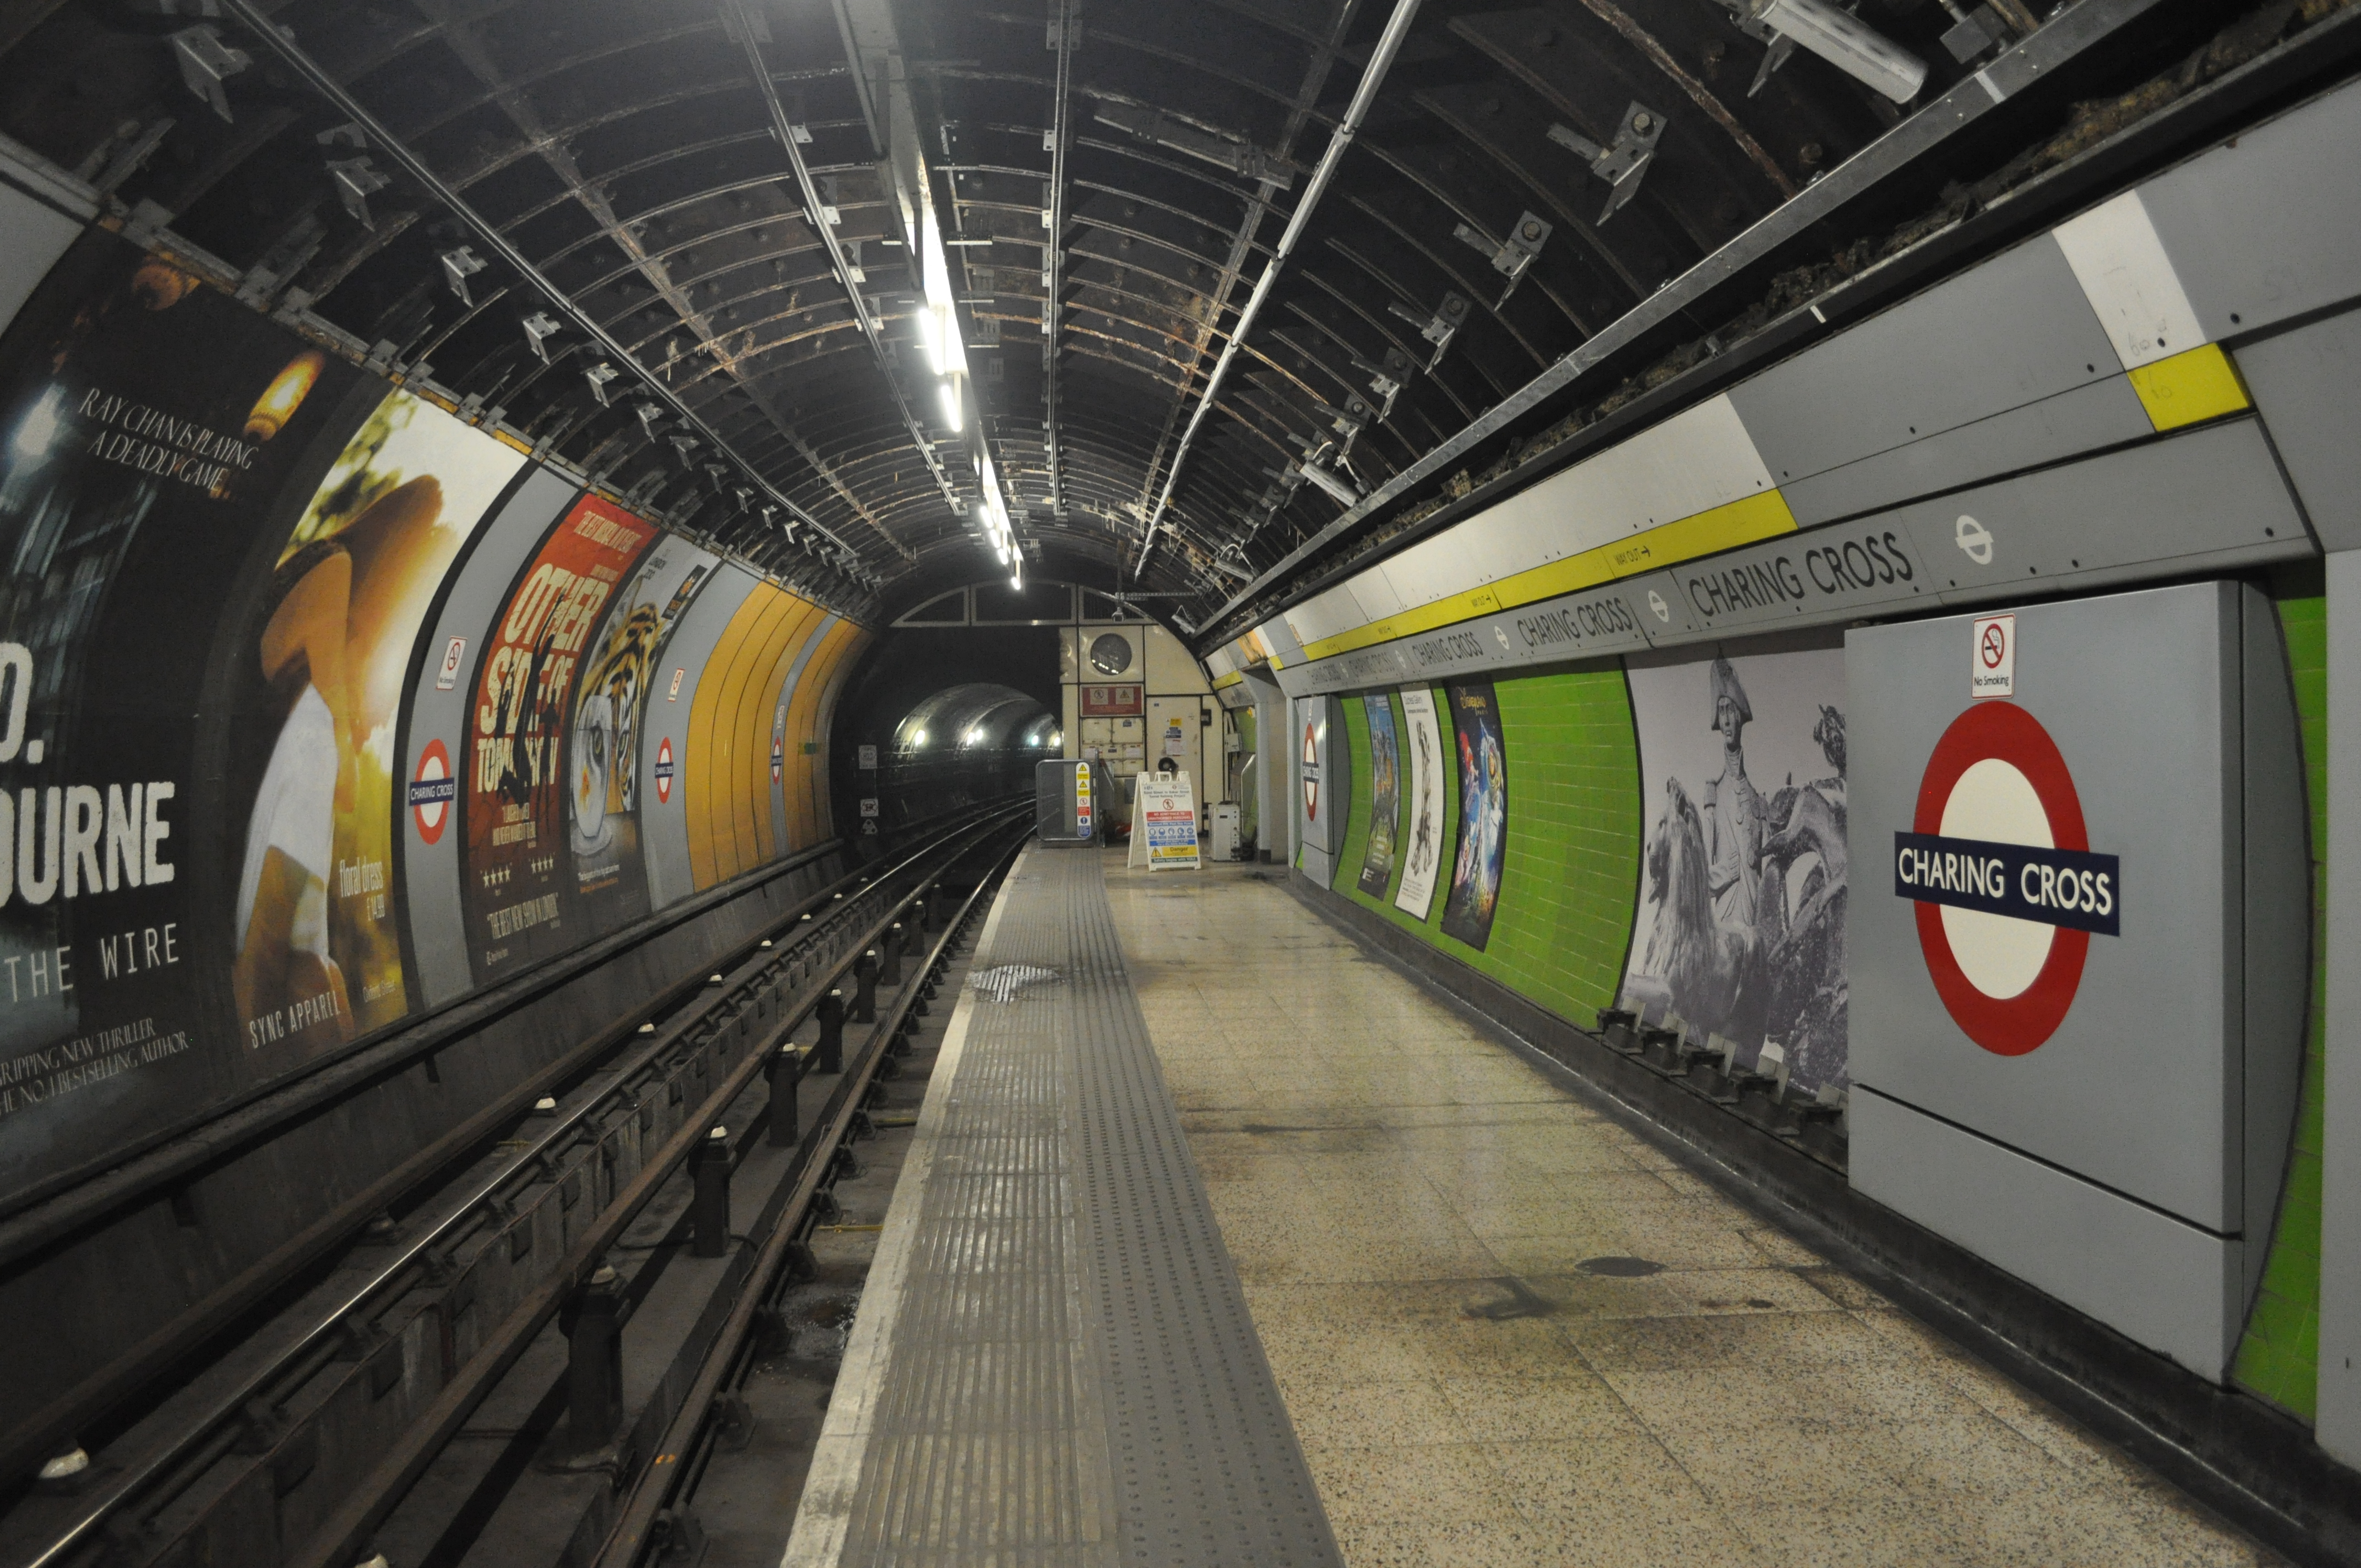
{"x": 2305, "y": 382}
{"x": 1274, "y": 771}
{"x": 2261, "y": 230}
{"x": 1902, "y": 376}
{"x": 2166, "y": 1285}
{"x": 33, "y": 235}
{"x": 2339, "y": 1428}
{"x": 1853, "y": 568}
{"x": 2202, "y": 501}
{"x": 2138, "y": 1089}
{"x": 664, "y": 822}
{"x": 1594, "y": 623}
{"x": 438, "y": 716}
{"x": 2104, "y": 413}
{"x": 1321, "y": 821}
{"x": 820, "y": 628}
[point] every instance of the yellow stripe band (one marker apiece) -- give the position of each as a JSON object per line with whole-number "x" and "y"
{"x": 1233, "y": 678}
{"x": 1705, "y": 533}
{"x": 2187, "y": 387}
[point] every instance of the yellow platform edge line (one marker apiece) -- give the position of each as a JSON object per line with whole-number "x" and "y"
{"x": 2189, "y": 387}
{"x": 1708, "y": 532}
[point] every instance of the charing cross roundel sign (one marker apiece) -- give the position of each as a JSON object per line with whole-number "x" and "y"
{"x": 2008, "y": 892}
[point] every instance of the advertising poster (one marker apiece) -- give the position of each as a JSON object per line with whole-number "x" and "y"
{"x": 1422, "y": 852}
{"x": 1483, "y": 850}
{"x": 610, "y": 710}
{"x": 320, "y": 676}
{"x": 517, "y": 886}
{"x": 148, "y": 428}
{"x": 1385, "y": 795}
{"x": 1742, "y": 913}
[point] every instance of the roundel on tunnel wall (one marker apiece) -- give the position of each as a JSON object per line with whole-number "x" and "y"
{"x": 1310, "y": 772}
{"x": 664, "y": 770}
{"x": 432, "y": 792}
{"x": 2007, "y": 892}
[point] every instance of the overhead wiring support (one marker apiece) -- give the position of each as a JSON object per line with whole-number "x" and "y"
{"x": 298, "y": 60}
{"x": 1381, "y": 59}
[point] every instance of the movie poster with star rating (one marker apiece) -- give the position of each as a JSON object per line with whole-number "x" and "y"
{"x": 520, "y": 863}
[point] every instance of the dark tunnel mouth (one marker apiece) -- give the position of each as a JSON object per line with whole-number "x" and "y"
{"x": 975, "y": 716}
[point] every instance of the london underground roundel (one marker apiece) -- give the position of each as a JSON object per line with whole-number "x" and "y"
{"x": 1311, "y": 773}
{"x": 2008, "y": 893}
{"x": 664, "y": 769}
{"x": 432, "y": 792}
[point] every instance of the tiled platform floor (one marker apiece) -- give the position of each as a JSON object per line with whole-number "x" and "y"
{"x": 1409, "y": 1206}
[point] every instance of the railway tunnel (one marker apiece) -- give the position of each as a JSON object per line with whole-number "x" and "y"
{"x": 861, "y": 781}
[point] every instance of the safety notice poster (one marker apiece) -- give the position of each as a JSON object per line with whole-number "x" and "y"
{"x": 1168, "y": 812}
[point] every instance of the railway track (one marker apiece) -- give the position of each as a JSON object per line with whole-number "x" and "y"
{"x": 599, "y": 1261}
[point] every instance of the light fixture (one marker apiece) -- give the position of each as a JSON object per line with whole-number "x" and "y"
{"x": 918, "y": 738}
{"x": 950, "y": 406}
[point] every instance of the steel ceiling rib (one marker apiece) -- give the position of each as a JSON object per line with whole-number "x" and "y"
{"x": 1054, "y": 258}
{"x": 249, "y": 13}
{"x": 1372, "y": 76}
{"x": 2035, "y": 58}
{"x": 1242, "y": 243}
{"x": 461, "y": 38}
{"x": 815, "y": 209}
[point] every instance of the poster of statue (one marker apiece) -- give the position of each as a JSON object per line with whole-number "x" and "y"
{"x": 1742, "y": 912}
{"x": 1385, "y": 795}
{"x": 1483, "y": 847}
{"x": 1422, "y": 852}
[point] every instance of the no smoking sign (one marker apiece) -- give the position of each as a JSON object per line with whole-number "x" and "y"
{"x": 1993, "y": 673}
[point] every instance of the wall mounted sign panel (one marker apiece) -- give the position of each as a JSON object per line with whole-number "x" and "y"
{"x": 619, "y": 673}
{"x": 2208, "y": 500}
{"x": 1827, "y": 573}
{"x": 663, "y": 746}
{"x": 2302, "y": 383}
{"x": 442, "y": 706}
{"x": 2104, "y": 413}
{"x": 520, "y": 883}
{"x": 2074, "y": 943}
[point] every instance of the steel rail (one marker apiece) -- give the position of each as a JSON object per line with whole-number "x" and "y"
{"x": 660, "y": 1481}
{"x": 292, "y": 55}
{"x": 123, "y": 1485}
{"x": 1373, "y": 76}
{"x": 344, "y": 1536}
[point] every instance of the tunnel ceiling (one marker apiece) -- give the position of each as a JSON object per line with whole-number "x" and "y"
{"x": 709, "y": 194}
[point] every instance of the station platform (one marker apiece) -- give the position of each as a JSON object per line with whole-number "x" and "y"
{"x": 1222, "y": 1241}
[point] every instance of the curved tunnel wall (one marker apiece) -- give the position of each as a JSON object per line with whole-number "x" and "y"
{"x": 326, "y": 708}
{"x": 2150, "y": 402}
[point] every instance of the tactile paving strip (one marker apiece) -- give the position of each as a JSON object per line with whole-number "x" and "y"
{"x": 1075, "y": 1378}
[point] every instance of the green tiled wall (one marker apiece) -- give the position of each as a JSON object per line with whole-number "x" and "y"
{"x": 2279, "y": 1357}
{"x": 1568, "y": 893}
{"x": 1572, "y": 874}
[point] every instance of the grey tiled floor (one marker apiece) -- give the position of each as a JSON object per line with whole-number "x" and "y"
{"x": 1409, "y": 1205}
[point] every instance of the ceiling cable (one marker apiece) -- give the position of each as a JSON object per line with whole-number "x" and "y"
{"x": 1364, "y": 97}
